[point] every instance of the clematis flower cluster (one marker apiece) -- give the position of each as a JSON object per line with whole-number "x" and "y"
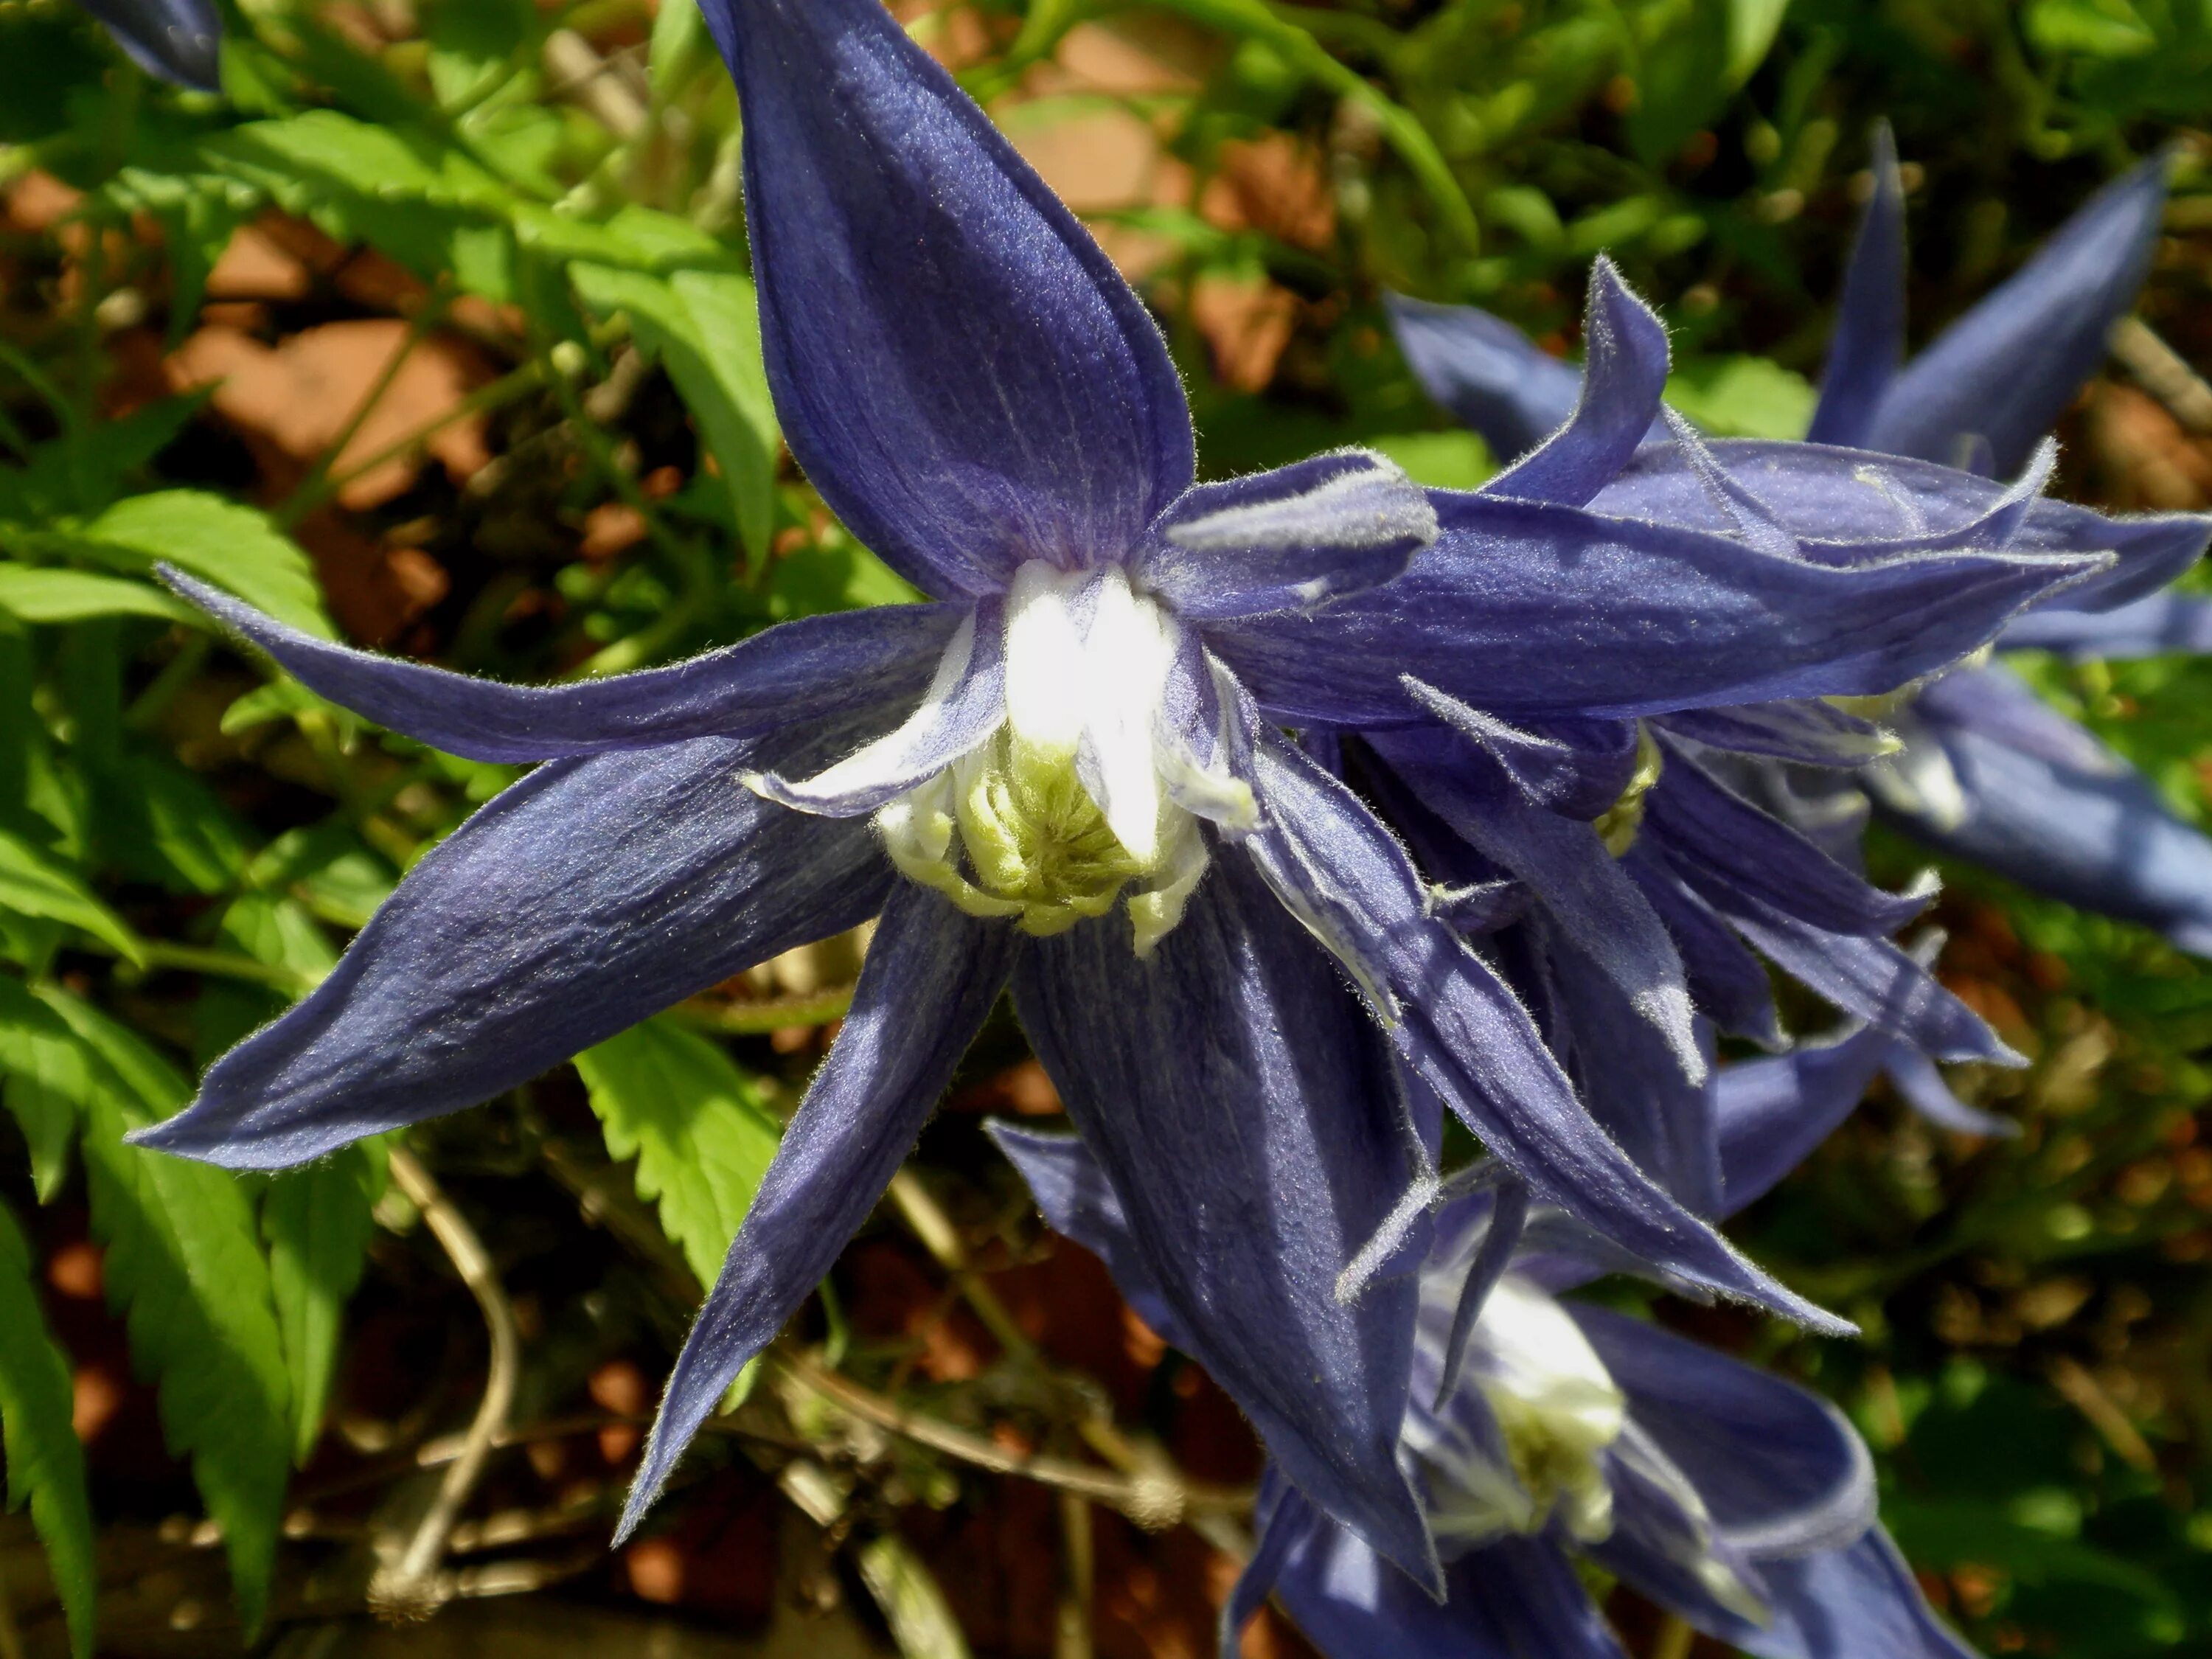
{"x": 1551, "y": 1431}
{"x": 1977, "y": 766}
{"x": 1295, "y": 812}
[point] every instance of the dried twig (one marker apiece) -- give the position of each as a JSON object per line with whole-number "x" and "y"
{"x": 1155, "y": 1499}
{"x": 2165, "y": 373}
{"x": 409, "y": 1587}
{"x": 1072, "y": 1636}
{"x": 2087, "y": 1395}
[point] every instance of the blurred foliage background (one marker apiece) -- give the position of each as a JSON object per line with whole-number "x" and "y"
{"x": 436, "y": 334}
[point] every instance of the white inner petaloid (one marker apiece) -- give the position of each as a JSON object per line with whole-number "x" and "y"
{"x": 1566, "y": 1428}
{"x": 1558, "y": 1412}
{"x": 1082, "y": 795}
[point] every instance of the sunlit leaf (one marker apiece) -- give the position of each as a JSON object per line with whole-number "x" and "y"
{"x": 219, "y": 541}
{"x": 672, "y": 1100}
{"x": 46, "y": 1464}
{"x": 34, "y": 883}
{"x": 37, "y": 594}
{"x": 184, "y": 1268}
{"x": 317, "y": 1223}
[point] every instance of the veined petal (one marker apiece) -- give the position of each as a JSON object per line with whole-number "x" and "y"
{"x": 1564, "y": 863}
{"x": 960, "y": 370}
{"x": 1285, "y": 1521}
{"x": 1486, "y": 372}
{"x": 930, "y": 978}
{"x": 1843, "y": 1603}
{"x": 1727, "y": 983}
{"x": 1627, "y": 1070}
{"x": 965, "y": 703}
{"x": 1738, "y": 511}
{"x": 1524, "y": 610}
{"x": 1774, "y": 1111}
{"x": 178, "y": 41}
{"x": 1460, "y": 1030}
{"x": 1700, "y": 822}
{"x": 2149, "y": 627}
{"x": 1493, "y": 1254}
{"x": 1239, "y": 1102}
{"x": 1198, "y": 747}
{"x": 1807, "y": 732}
{"x": 1915, "y": 1078}
{"x": 2006, "y": 370}
{"x": 1079, "y": 1202}
{"x": 1847, "y": 506}
{"x": 1578, "y": 767}
{"x": 1778, "y": 1469}
{"x": 1515, "y": 1599}
{"x": 1870, "y": 978}
{"x": 586, "y": 897}
{"x": 2097, "y": 839}
{"x": 815, "y": 668}
{"x": 1994, "y": 704}
{"x": 1288, "y": 540}
{"x": 1867, "y": 346}
{"x": 1623, "y": 379}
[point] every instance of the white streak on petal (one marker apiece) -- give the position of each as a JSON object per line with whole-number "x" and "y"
{"x": 1128, "y": 653}
{"x": 1046, "y": 689}
{"x": 1373, "y": 505}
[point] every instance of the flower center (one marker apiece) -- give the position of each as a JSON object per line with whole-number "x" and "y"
{"x": 1617, "y": 825}
{"x": 1557, "y": 1410}
{"x": 1082, "y": 795}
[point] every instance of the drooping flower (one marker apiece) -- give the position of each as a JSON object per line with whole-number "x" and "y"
{"x": 1619, "y": 863}
{"x": 178, "y": 41}
{"x": 1066, "y": 775}
{"x": 1548, "y": 1431}
{"x": 1985, "y": 773}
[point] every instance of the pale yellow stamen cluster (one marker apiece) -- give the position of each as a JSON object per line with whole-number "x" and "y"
{"x": 1012, "y": 830}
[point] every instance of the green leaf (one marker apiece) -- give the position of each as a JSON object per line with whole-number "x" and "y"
{"x": 198, "y": 213}
{"x": 833, "y": 574}
{"x": 1682, "y": 81}
{"x": 680, "y": 47}
{"x": 1438, "y": 460}
{"x": 1743, "y": 397}
{"x": 672, "y": 1100}
{"x": 46, "y": 1461}
{"x": 83, "y": 471}
{"x": 35, "y": 593}
{"x": 318, "y": 1222}
{"x": 49, "y": 1077}
{"x": 330, "y": 869}
{"x": 33, "y": 883}
{"x": 704, "y": 325}
{"x": 160, "y": 823}
{"x": 184, "y": 1268}
{"x": 219, "y": 541}
{"x": 1752, "y": 26}
{"x": 2091, "y": 28}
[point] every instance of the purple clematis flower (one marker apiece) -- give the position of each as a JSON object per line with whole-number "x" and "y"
{"x": 1066, "y": 775}
{"x": 1982, "y": 775}
{"x": 178, "y": 40}
{"x": 1544, "y": 1431}
{"x": 1626, "y": 871}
